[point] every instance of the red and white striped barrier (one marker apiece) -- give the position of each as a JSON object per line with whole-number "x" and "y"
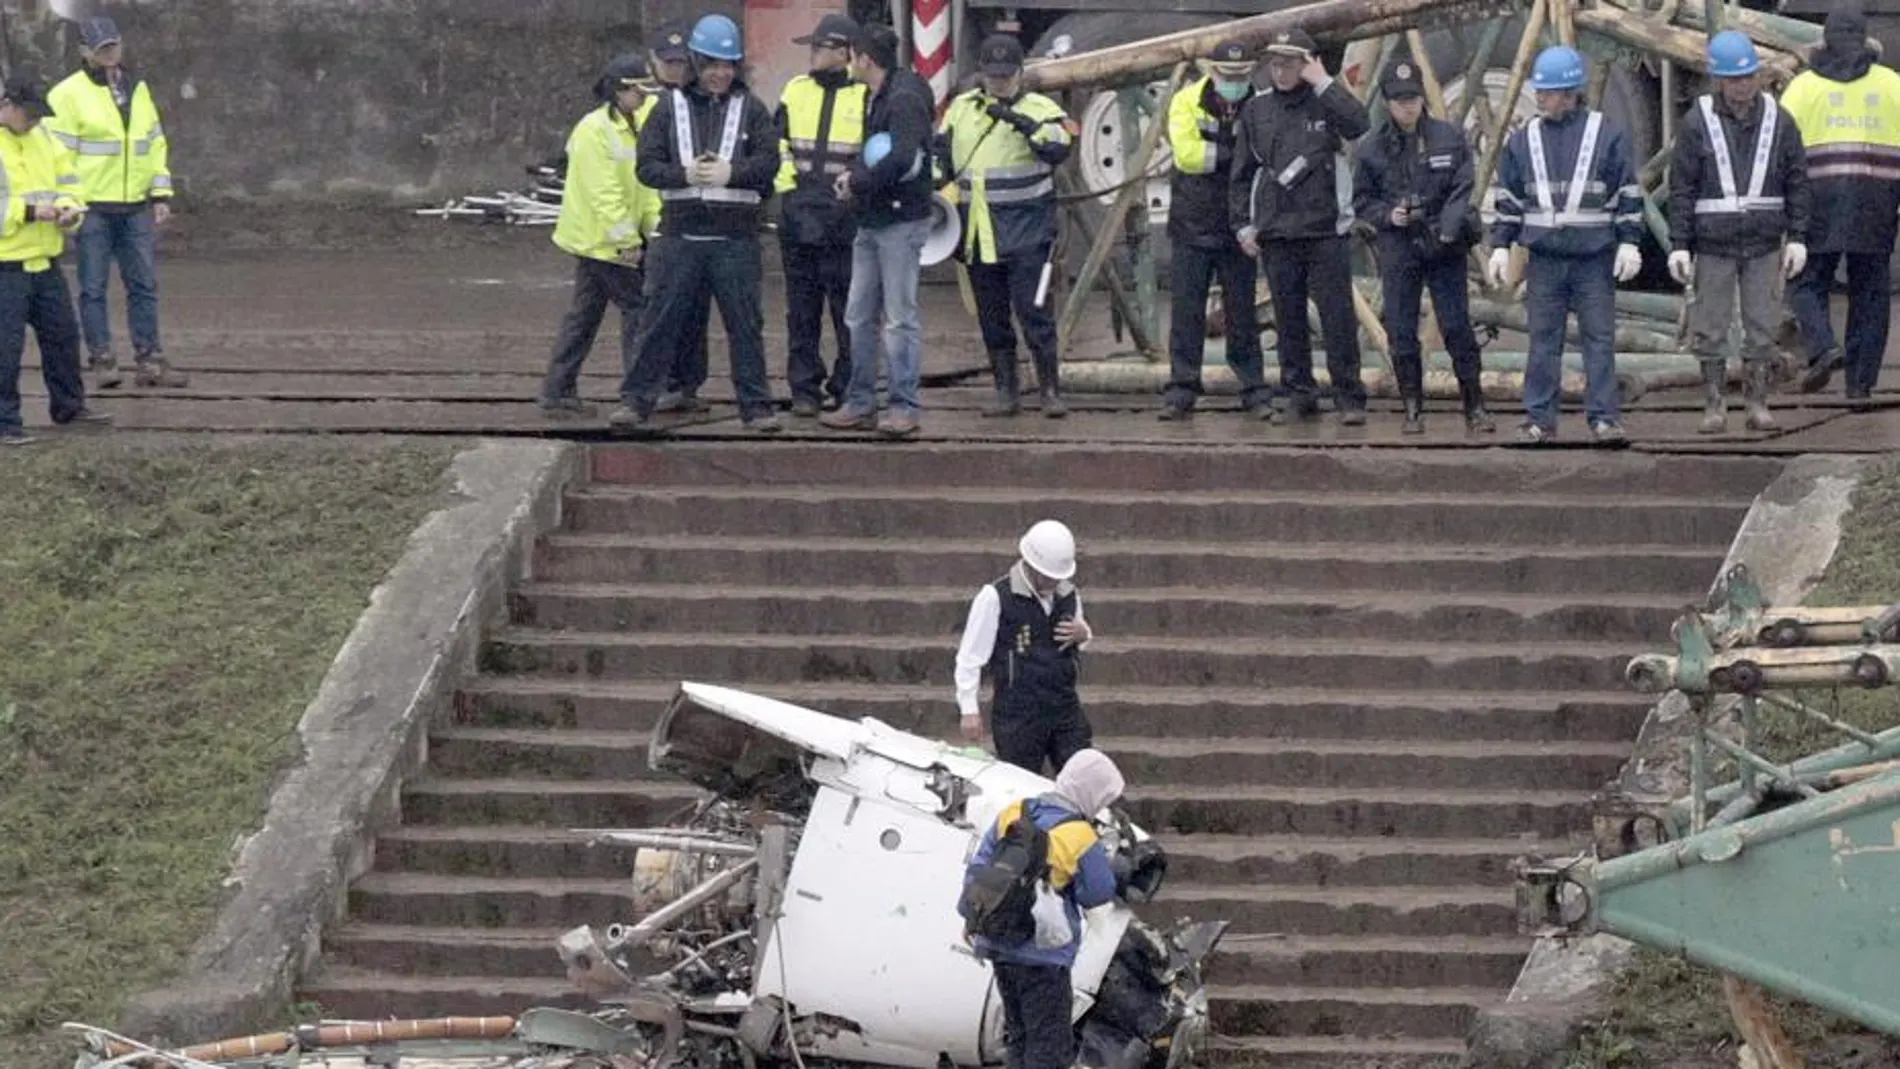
{"x": 930, "y": 45}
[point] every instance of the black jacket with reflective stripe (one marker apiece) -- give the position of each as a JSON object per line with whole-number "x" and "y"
{"x": 1694, "y": 176}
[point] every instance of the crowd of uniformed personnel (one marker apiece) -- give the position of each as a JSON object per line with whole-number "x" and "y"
{"x": 85, "y": 160}
{"x": 1272, "y": 178}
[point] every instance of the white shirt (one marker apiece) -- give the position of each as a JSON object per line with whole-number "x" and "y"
{"x": 979, "y": 641}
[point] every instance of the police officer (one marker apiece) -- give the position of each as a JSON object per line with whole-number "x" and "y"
{"x": 1002, "y": 145}
{"x": 41, "y": 202}
{"x": 1738, "y": 189}
{"x": 1299, "y": 212}
{"x": 1567, "y": 192}
{"x": 605, "y": 221}
{"x": 668, "y": 57}
{"x": 1848, "y": 109}
{"x": 1201, "y": 120}
{"x": 711, "y": 150}
{"x": 821, "y": 126}
{"x": 1026, "y": 629}
{"x": 1413, "y": 187}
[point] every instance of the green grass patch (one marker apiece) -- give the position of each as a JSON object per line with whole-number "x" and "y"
{"x": 1668, "y": 1014}
{"x": 166, "y": 612}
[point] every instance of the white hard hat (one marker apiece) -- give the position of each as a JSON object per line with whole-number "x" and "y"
{"x": 1049, "y": 548}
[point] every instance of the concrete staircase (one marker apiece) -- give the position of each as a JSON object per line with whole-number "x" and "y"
{"x": 1347, "y": 689}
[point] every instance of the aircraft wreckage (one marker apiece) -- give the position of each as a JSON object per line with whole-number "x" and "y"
{"x": 804, "y": 913}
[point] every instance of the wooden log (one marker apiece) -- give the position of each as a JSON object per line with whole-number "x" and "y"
{"x": 1561, "y": 22}
{"x": 1763, "y": 27}
{"x": 1326, "y": 20}
{"x": 1759, "y": 1025}
{"x": 1119, "y": 299}
{"x": 1673, "y": 43}
{"x": 1629, "y": 338}
{"x": 1520, "y": 69}
{"x": 1474, "y": 71}
{"x": 1434, "y": 92}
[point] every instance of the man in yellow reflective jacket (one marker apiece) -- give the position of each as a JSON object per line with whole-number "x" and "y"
{"x": 39, "y": 202}
{"x": 607, "y": 215}
{"x": 821, "y": 131}
{"x": 104, "y": 113}
{"x": 1001, "y": 146}
{"x": 1847, "y": 107}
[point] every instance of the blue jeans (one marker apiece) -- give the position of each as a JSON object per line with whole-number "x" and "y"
{"x": 39, "y": 300}
{"x": 884, "y": 270}
{"x": 132, "y": 240}
{"x": 680, "y": 272}
{"x": 1556, "y": 286}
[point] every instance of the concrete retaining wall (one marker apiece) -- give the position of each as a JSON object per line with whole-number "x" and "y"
{"x": 321, "y": 99}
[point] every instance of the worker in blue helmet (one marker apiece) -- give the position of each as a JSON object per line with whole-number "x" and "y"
{"x": 1567, "y": 192}
{"x": 711, "y": 149}
{"x": 1738, "y": 222}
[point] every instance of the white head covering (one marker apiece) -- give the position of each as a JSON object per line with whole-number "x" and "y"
{"x": 1090, "y": 781}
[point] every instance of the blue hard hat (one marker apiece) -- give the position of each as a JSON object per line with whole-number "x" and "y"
{"x": 1732, "y": 55}
{"x": 875, "y": 149}
{"x": 716, "y": 37}
{"x": 1557, "y": 67}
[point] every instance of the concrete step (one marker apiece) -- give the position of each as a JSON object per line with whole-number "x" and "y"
{"x": 1334, "y": 1052}
{"x": 1369, "y": 961}
{"x": 1355, "y": 562}
{"x": 1173, "y": 611}
{"x": 1434, "y": 1012}
{"x": 1280, "y": 860}
{"x": 1424, "y": 1016}
{"x": 565, "y": 754}
{"x": 1186, "y": 662}
{"x": 1188, "y": 467}
{"x": 489, "y": 902}
{"x": 1337, "y": 813}
{"x": 1344, "y": 911}
{"x": 884, "y": 512}
{"x": 1178, "y": 712}
{"x": 1337, "y": 961}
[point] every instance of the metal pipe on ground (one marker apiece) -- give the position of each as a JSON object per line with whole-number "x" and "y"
{"x": 1629, "y": 338}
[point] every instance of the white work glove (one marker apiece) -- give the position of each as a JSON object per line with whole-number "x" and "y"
{"x": 1793, "y": 258}
{"x": 1681, "y": 266}
{"x": 710, "y": 173}
{"x": 1628, "y": 262}
{"x": 1494, "y": 269}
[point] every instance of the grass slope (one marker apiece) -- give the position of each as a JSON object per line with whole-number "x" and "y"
{"x": 166, "y": 612}
{"x": 1671, "y": 1015}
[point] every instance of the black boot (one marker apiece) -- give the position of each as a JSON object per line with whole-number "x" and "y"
{"x": 1003, "y": 365}
{"x": 1414, "y": 416}
{"x": 1477, "y": 420}
{"x": 1049, "y": 378}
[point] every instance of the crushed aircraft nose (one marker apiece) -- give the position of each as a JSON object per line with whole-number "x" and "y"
{"x": 808, "y": 907}
{"x": 805, "y": 909}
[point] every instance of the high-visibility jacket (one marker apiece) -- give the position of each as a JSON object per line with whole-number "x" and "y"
{"x": 34, "y": 169}
{"x": 1852, "y": 132}
{"x": 1738, "y": 185}
{"x": 604, "y": 209}
{"x": 1566, "y": 187}
{"x": 821, "y": 132}
{"x": 1201, "y": 136}
{"x": 122, "y": 154}
{"x": 1005, "y": 181}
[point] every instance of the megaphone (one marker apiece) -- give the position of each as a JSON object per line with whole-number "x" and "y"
{"x": 946, "y": 229}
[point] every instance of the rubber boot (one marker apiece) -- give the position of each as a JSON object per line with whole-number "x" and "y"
{"x": 1715, "y": 412}
{"x": 1756, "y": 397}
{"x": 1477, "y": 420}
{"x": 1049, "y": 378}
{"x": 1414, "y": 416}
{"x": 1007, "y": 403}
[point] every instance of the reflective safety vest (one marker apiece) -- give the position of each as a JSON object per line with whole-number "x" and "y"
{"x": 814, "y": 152}
{"x": 605, "y": 210}
{"x": 730, "y": 128}
{"x": 1573, "y": 214}
{"x": 1731, "y": 202}
{"x": 122, "y": 155}
{"x": 1192, "y": 130}
{"x": 1851, "y": 129}
{"x": 1006, "y": 193}
{"x": 34, "y": 169}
